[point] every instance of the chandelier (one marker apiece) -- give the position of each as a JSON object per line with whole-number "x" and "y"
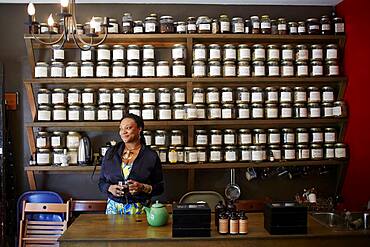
{"x": 68, "y": 27}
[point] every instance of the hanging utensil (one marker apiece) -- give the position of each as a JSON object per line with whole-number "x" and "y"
{"x": 232, "y": 190}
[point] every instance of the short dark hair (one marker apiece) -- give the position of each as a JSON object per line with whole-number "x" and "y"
{"x": 138, "y": 120}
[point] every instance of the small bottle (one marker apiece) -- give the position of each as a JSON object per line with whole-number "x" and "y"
{"x": 219, "y": 208}
{"x": 243, "y": 223}
{"x": 234, "y": 224}
{"x": 223, "y": 224}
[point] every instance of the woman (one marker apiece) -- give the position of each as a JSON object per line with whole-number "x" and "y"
{"x": 131, "y": 172}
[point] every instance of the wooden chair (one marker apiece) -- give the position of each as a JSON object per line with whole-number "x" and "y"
{"x": 42, "y": 233}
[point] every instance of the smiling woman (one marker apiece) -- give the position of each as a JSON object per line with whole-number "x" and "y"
{"x": 131, "y": 172}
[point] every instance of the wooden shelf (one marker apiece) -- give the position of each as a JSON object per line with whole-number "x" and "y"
{"x": 82, "y": 169}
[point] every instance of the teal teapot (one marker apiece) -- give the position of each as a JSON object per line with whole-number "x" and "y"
{"x": 157, "y": 214}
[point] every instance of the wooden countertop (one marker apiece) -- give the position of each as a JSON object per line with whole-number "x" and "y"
{"x": 113, "y": 230}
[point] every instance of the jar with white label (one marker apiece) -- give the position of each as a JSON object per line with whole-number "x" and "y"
{"x": 286, "y": 95}
{"x": 89, "y": 113}
{"x": 259, "y": 136}
{"x": 273, "y": 136}
{"x": 271, "y": 95}
{"x": 245, "y": 153}
{"x": 274, "y": 153}
{"x": 329, "y": 152}
{"x": 212, "y": 95}
{"x": 271, "y": 110}
{"x": 288, "y": 152}
{"x": 303, "y": 152}
{"x": 316, "y": 68}
{"x": 273, "y": 52}
{"x": 44, "y": 113}
{"x": 41, "y": 70}
{"x": 199, "y": 52}
{"x": 198, "y": 95}
{"x": 163, "y": 69}
{"x": 74, "y": 96}
{"x": 198, "y": 69}
{"x": 288, "y": 136}
{"x": 301, "y": 136}
{"x": 178, "y": 95}
{"x": 148, "y": 69}
{"x": 118, "y": 69}
{"x": 73, "y": 139}
{"x": 161, "y": 138}
{"x": 103, "y": 53}
{"x": 293, "y": 27}
{"x": 148, "y": 136}
{"x": 224, "y": 23}
{"x": 317, "y": 52}
{"x": 330, "y": 135}
{"x": 229, "y": 137}
{"x": 331, "y": 67}
{"x": 302, "y": 68}
{"x": 118, "y": 53}
{"x": 287, "y": 68}
{"x": 43, "y": 96}
{"x": 286, "y": 110}
{"x": 114, "y": 27}
{"x": 229, "y": 52}
{"x": 180, "y": 27}
{"x": 58, "y": 96}
{"x": 57, "y": 70}
{"x": 257, "y": 95}
{"x": 244, "y": 137}
{"x": 162, "y": 153}
{"x": 340, "y": 109}
{"x": 327, "y": 94}
{"x": 58, "y": 53}
{"x": 214, "y": 111}
{"x": 302, "y": 28}
{"x": 164, "y": 95}
{"x": 151, "y": 24}
{"x": 255, "y": 24}
{"x": 301, "y": 52}
{"x": 178, "y": 111}
{"x": 273, "y": 68}
{"x": 331, "y": 51}
{"x": 73, "y": 155}
{"x": 148, "y": 53}
{"x": 176, "y": 138}
{"x": 178, "y": 52}
{"x": 228, "y": 111}
{"x": 104, "y": 96}
{"x": 118, "y": 111}
{"x": 180, "y": 154}
{"x": 74, "y": 113}
{"x": 87, "y": 69}
{"x": 257, "y": 111}
{"x": 42, "y": 139}
{"x": 242, "y": 111}
{"x": 202, "y": 154}
{"x": 314, "y": 110}
{"x": 300, "y": 95}
{"x": 102, "y": 69}
{"x": 148, "y": 112}
{"x": 164, "y": 112}
{"x": 134, "y": 96}
{"x": 327, "y": 110}
{"x": 88, "y": 96}
{"x": 190, "y": 155}
{"x": 133, "y": 53}
{"x": 317, "y": 152}
{"x": 287, "y": 52}
{"x": 231, "y": 154}
{"x": 340, "y": 151}
{"x": 300, "y": 110}
{"x": 316, "y": 135}
{"x": 258, "y": 153}
{"x": 215, "y": 154}
{"x": 104, "y": 113}
{"x": 244, "y": 69}
{"x": 149, "y": 96}
{"x": 244, "y": 52}
{"x": 258, "y": 68}
{"x": 72, "y": 70}
{"x": 282, "y": 26}
{"x": 258, "y": 52}
{"x": 118, "y": 96}
{"x": 214, "y": 52}
{"x": 314, "y": 95}
{"x": 201, "y": 111}
{"x": 214, "y": 68}
{"x": 134, "y": 109}
{"x": 58, "y": 139}
{"x": 242, "y": 95}
{"x": 190, "y": 112}
{"x": 43, "y": 156}
{"x": 87, "y": 54}
{"x": 215, "y": 137}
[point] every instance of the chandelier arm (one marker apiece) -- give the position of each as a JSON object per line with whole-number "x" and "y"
{"x": 48, "y": 43}
{"x": 78, "y": 45}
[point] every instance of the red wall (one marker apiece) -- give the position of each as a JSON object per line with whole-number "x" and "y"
{"x": 356, "y": 189}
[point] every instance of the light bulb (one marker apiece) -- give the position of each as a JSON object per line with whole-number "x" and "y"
{"x": 31, "y": 9}
{"x": 50, "y": 20}
{"x": 93, "y": 23}
{"x": 64, "y": 3}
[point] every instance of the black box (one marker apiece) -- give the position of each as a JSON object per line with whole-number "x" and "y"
{"x": 285, "y": 218}
{"x": 191, "y": 220}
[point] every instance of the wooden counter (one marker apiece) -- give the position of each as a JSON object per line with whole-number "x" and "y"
{"x": 116, "y": 230}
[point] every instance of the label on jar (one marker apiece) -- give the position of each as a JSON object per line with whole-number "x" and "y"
{"x": 212, "y": 97}
{"x": 302, "y": 55}
{"x": 230, "y": 156}
{"x": 133, "y": 98}
{"x": 301, "y": 29}
{"x": 58, "y": 54}
{"x": 287, "y": 54}
{"x": 314, "y": 27}
{"x": 148, "y": 139}
{"x": 201, "y": 140}
{"x": 216, "y": 139}
{"x": 159, "y": 140}
{"x": 272, "y": 96}
{"x": 44, "y": 115}
{"x": 191, "y": 113}
{"x": 103, "y": 115}
{"x": 329, "y": 153}
{"x": 87, "y": 71}
{"x": 102, "y": 71}
{"x": 176, "y": 140}
{"x": 192, "y": 27}
{"x": 180, "y": 28}
{"x": 201, "y": 156}
{"x": 302, "y": 112}
{"x": 164, "y": 97}
{"x": 204, "y": 27}
{"x": 177, "y": 53}
{"x": 215, "y": 156}
{"x": 339, "y": 27}
{"x": 201, "y": 113}
{"x": 256, "y": 97}
{"x": 163, "y": 71}
{"x": 256, "y": 25}
{"x": 118, "y": 54}
{"x": 337, "y": 111}
{"x": 273, "y": 70}
{"x": 302, "y": 138}
{"x": 229, "y": 139}
{"x": 43, "y": 158}
{"x": 73, "y": 98}
{"x": 148, "y": 71}
{"x": 257, "y": 113}
{"x": 244, "y": 96}
{"x": 257, "y": 155}
{"x": 56, "y": 72}
{"x": 303, "y": 153}
{"x": 193, "y": 157}
{"x": 316, "y": 153}
{"x": 259, "y": 70}
{"x": 246, "y": 30}
{"x": 244, "y": 71}
{"x": 331, "y": 54}
{"x": 289, "y": 154}
{"x": 271, "y": 113}
{"x": 260, "y": 138}
{"x": 293, "y": 30}
{"x": 327, "y": 96}
{"x": 214, "y": 54}
{"x": 285, "y": 97}
{"x": 73, "y": 141}
{"x": 302, "y": 70}
{"x": 243, "y": 113}
{"x": 244, "y": 54}
{"x": 214, "y": 71}
{"x": 317, "y": 70}
{"x": 133, "y": 54}
{"x": 73, "y": 115}
{"x": 148, "y": 114}
{"x": 199, "y": 54}
{"x": 259, "y": 53}
{"x": 180, "y": 156}
{"x": 55, "y": 141}
{"x": 227, "y": 96}
{"x": 317, "y": 137}
{"x": 333, "y": 70}
{"x": 179, "y": 114}
{"x": 288, "y": 71}
{"x": 178, "y": 70}
{"x": 117, "y": 115}
{"x": 273, "y": 54}
{"x": 329, "y": 137}
{"x": 328, "y": 111}
{"x": 274, "y": 138}
{"x": 340, "y": 153}
{"x": 224, "y": 26}
{"x": 199, "y": 70}
{"x": 226, "y": 113}
{"x": 315, "y": 112}
{"x": 281, "y": 27}
{"x": 86, "y": 55}
{"x": 245, "y": 139}
{"x": 138, "y": 29}
{"x": 179, "y": 98}
{"x": 118, "y": 71}
{"x": 89, "y": 115}
{"x": 73, "y": 156}
{"x": 230, "y": 54}
{"x": 163, "y": 157}
{"x": 300, "y": 96}
{"x": 276, "y": 154}
{"x": 148, "y": 54}
{"x": 87, "y": 98}
{"x": 41, "y": 142}
{"x": 286, "y": 112}
{"x": 289, "y": 138}
{"x": 164, "y": 114}
{"x": 57, "y": 98}
{"x": 325, "y": 27}
{"x": 104, "y": 98}
{"x": 246, "y": 155}
{"x": 118, "y": 98}
{"x": 149, "y": 27}
{"x": 135, "y": 111}
{"x": 148, "y": 98}
{"x": 215, "y": 113}
{"x": 317, "y": 54}
{"x": 113, "y": 28}
{"x": 42, "y": 98}
{"x": 103, "y": 54}
{"x": 265, "y": 25}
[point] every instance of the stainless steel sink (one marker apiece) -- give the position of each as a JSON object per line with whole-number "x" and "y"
{"x": 329, "y": 219}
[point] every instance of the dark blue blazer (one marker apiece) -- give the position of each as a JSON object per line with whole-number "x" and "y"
{"x": 146, "y": 169}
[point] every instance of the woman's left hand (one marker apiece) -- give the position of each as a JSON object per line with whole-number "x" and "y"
{"x": 134, "y": 187}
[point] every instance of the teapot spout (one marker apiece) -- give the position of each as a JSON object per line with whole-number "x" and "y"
{"x": 147, "y": 210}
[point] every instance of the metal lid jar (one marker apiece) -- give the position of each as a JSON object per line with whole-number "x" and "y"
{"x": 300, "y": 95}
{"x": 72, "y": 70}
{"x": 257, "y": 111}
{"x": 287, "y": 52}
{"x": 316, "y": 68}
{"x": 57, "y": 69}
{"x": 133, "y": 53}
{"x": 331, "y": 51}
{"x": 214, "y": 52}
{"x": 118, "y": 53}
{"x": 303, "y": 152}
{"x": 244, "y": 137}
{"x": 212, "y": 95}
{"x": 190, "y": 112}
{"x": 198, "y": 95}
{"x": 215, "y": 154}
{"x": 151, "y": 24}
{"x": 164, "y": 112}
{"x": 178, "y": 52}
{"x": 282, "y": 26}
{"x": 244, "y": 69}
{"x": 148, "y": 136}
{"x": 340, "y": 151}
{"x": 224, "y": 23}
{"x": 265, "y": 24}
{"x": 329, "y": 151}
{"x": 73, "y": 139}
{"x": 180, "y": 27}
{"x": 166, "y": 24}
{"x": 229, "y": 52}
{"x": 293, "y": 27}
{"x": 244, "y": 52}
{"x": 331, "y": 67}
{"x": 316, "y": 135}
{"x": 237, "y": 25}
{"x": 44, "y": 96}
{"x": 271, "y": 110}
{"x": 163, "y": 69}
{"x": 313, "y": 26}
{"x": 325, "y": 25}
{"x": 87, "y": 54}
{"x": 178, "y": 69}
{"x": 104, "y": 96}
{"x": 118, "y": 111}
{"x": 229, "y": 137}
{"x": 214, "y": 111}
{"x": 88, "y": 96}
{"x": 231, "y": 154}
{"x": 114, "y": 27}
{"x": 214, "y": 69}
{"x": 198, "y": 69}
{"x": 87, "y": 69}
{"x": 273, "y": 68}
{"x": 102, "y": 69}
{"x": 178, "y": 95}
{"x": 201, "y": 111}
{"x": 164, "y": 95}
{"x": 327, "y": 109}
{"x": 199, "y": 52}
{"x": 288, "y": 152}
{"x": 148, "y": 112}
{"x": 204, "y": 24}
{"x": 190, "y": 155}
{"x": 228, "y": 111}
{"x": 258, "y": 68}
{"x": 316, "y": 151}
{"x": 148, "y": 69}
{"x": 258, "y": 153}
{"x": 258, "y": 52}
{"x": 286, "y": 95}
{"x": 42, "y": 139}
{"x": 301, "y": 136}
{"x": 286, "y": 110}
{"x": 103, "y": 53}
{"x": 134, "y": 109}
{"x": 201, "y": 137}
{"x": 259, "y": 136}
{"x": 43, "y": 156}
{"x": 302, "y": 28}
{"x": 300, "y": 110}
{"x": 255, "y": 24}
{"x": 271, "y": 95}
{"x": 242, "y": 95}
{"x": 314, "y": 110}
{"x": 177, "y": 138}
{"x": 273, "y": 52}
{"x": 178, "y": 111}
{"x": 58, "y": 139}
{"x": 302, "y": 68}
{"x": 227, "y": 95}
{"x": 330, "y": 135}
{"x": 104, "y": 113}
{"x": 58, "y": 96}
{"x": 133, "y": 69}
{"x": 58, "y": 53}
{"x": 74, "y": 113}
{"x": 273, "y": 136}
{"x": 148, "y": 53}
{"x": 287, "y": 68}
{"x": 340, "y": 109}
{"x": 89, "y": 113}
{"x": 161, "y": 138}
{"x": 314, "y": 95}
{"x": 327, "y": 94}
{"x": 215, "y": 137}
{"x": 338, "y": 25}
{"x": 316, "y": 51}
{"x": 191, "y": 26}
{"x": 127, "y": 23}
{"x": 301, "y": 52}
{"x": 257, "y": 95}
{"x": 288, "y": 136}
{"x": 243, "y": 111}
{"x": 118, "y": 69}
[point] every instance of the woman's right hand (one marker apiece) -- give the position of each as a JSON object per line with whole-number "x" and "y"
{"x": 116, "y": 190}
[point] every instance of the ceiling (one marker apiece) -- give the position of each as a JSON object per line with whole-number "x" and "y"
{"x": 241, "y": 2}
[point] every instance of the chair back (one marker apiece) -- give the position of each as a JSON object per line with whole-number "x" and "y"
{"x": 210, "y": 197}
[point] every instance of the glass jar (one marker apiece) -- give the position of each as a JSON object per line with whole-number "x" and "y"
{"x": 243, "y": 111}
{"x": 118, "y": 69}
{"x": 317, "y": 135}
{"x": 127, "y": 23}
{"x": 212, "y": 95}
{"x": 340, "y": 151}
{"x": 74, "y": 113}
{"x": 273, "y": 68}
{"x": 58, "y": 96}
{"x": 287, "y": 68}
{"x": 227, "y": 111}
{"x": 198, "y": 69}
{"x": 177, "y": 138}
{"x": 133, "y": 53}
{"x": 44, "y": 96}
{"x": 191, "y": 25}
{"x": 229, "y": 52}
{"x": 178, "y": 95}
{"x": 329, "y": 151}
{"x": 204, "y": 24}
{"x": 288, "y": 152}
{"x": 214, "y": 52}
{"x": 114, "y": 27}
{"x": 164, "y": 95}
{"x": 148, "y": 112}
{"x": 178, "y": 52}
{"x": 331, "y": 51}
{"x": 89, "y": 113}
{"x": 214, "y": 111}
{"x": 273, "y": 52}
{"x": 162, "y": 153}
{"x": 273, "y": 136}
{"x": 102, "y": 69}
{"x": 244, "y": 137}
{"x": 104, "y": 96}
{"x": 103, "y": 53}
{"x": 88, "y": 96}
{"x": 190, "y": 155}
{"x": 104, "y": 113}
{"x": 57, "y": 69}
{"x": 244, "y": 52}
{"x": 231, "y": 154}
{"x": 227, "y": 95}
{"x": 148, "y": 53}
{"x": 255, "y": 24}
{"x": 73, "y": 139}
{"x": 303, "y": 152}
{"x": 181, "y": 27}
{"x": 151, "y": 24}
{"x": 202, "y": 154}
{"x": 215, "y": 137}
{"x": 58, "y": 53}
{"x": 282, "y": 26}
{"x": 148, "y": 136}
{"x": 148, "y": 69}
{"x": 316, "y": 52}
{"x": 166, "y": 24}
{"x": 118, "y": 111}
{"x": 259, "y": 136}
{"x": 314, "y": 95}
{"x": 258, "y": 52}
{"x": 316, "y": 152}
{"x": 274, "y": 152}
{"x": 302, "y": 68}
{"x": 300, "y": 95}
{"x": 229, "y": 137}
{"x": 327, "y": 110}
{"x": 258, "y": 68}
{"x": 244, "y": 69}
{"x": 330, "y": 135}
{"x": 302, "y": 136}
{"x": 285, "y": 95}
{"x": 301, "y": 52}
{"x": 271, "y": 111}
{"x": 338, "y": 25}
{"x": 293, "y": 27}
{"x": 327, "y": 94}
{"x": 164, "y": 112}
{"x": 43, "y": 156}
{"x": 163, "y": 69}
{"x": 160, "y": 138}
{"x": 198, "y": 95}
{"x": 72, "y": 70}
{"x": 257, "y": 111}
{"x": 265, "y": 24}
{"x": 331, "y": 68}
{"x": 73, "y": 155}
{"x": 134, "y": 109}
{"x": 87, "y": 69}
{"x": 340, "y": 109}
{"x": 302, "y": 28}
{"x": 44, "y": 113}
{"x": 214, "y": 69}
{"x": 286, "y": 110}
{"x": 313, "y": 26}
{"x": 118, "y": 96}
{"x": 243, "y": 95}
{"x": 316, "y": 68}
{"x": 325, "y": 25}
{"x": 42, "y": 139}
{"x": 215, "y": 154}
{"x": 190, "y": 111}
{"x": 58, "y": 139}
{"x": 87, "y": 55}
{"x": 274, "y": 27}
{"x": 271, "y": 94}
{"x": 314, "y": 110}
{"x": 237, "y": 25}
{"x": 178, "y": 69}
{"x": 288, "y": 136}
{"x": 257, "y": 95}
{"x": 229, "y": 69}
{"x": 118, "y": 53}
{"x": 133, "y": 69}
{"x": 258, "y": 153}
{"x": 300, "y": 110}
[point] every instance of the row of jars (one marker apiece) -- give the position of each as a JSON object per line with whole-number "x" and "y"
{"x": 250, "y": 153}
{"x": 45, "y": 156}
{"x": 260, "y": 52}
